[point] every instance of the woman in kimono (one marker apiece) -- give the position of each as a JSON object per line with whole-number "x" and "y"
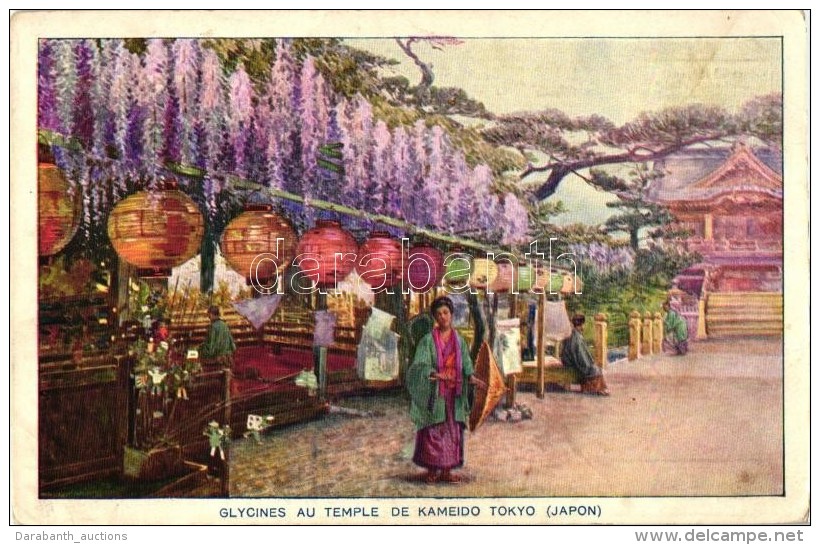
{"x": 438, "y": 381}
{"x": 575, "y": 353}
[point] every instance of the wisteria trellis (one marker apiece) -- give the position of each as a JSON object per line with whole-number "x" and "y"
{"x": 174, "y": 104}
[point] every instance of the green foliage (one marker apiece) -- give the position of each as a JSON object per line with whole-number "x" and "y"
{"x": 148, "y": 354}
{"x": 478, "y": 151}
{"x": 762, "y": 117}
{"x": 59, "y": 279}
{"x": 576, "y": 144}
{"x": 620, "y": 291}
{"x": 636, "y": 212}
{"x": 349, "y": 71}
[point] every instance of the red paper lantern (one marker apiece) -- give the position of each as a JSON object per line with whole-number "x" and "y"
{"x": 249, "y": 243}
{"x": 379, "y": 262}
{"x": 316, "y": 253}
{"x": 59, "y": 213}
{"x": 425, "y": 267}
{"x": 156, "y": 231}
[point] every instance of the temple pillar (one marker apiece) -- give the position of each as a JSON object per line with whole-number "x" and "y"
{"x": 701, "y": 334}
{"x": 707, "y": 226}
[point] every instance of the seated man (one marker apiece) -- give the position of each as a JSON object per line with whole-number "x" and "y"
{"x": 575, "y": 353}
{"x": 676, "y": 334}
{"x": 219, "y": 345}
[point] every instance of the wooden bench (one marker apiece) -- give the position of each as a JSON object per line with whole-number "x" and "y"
{"x": 554, "y": 373}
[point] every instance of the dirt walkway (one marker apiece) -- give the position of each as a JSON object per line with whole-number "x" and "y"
{"x": 709, "y": 423}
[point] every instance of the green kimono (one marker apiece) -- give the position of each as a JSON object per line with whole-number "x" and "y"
{"x": 675, "y": 325}
{"x": 218, "y": 342}
{"x": 421, "y": 387}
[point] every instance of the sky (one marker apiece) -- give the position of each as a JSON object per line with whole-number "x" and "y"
{"x": 615, "y": 77}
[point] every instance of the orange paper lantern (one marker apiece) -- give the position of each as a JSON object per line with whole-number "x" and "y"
{"x": 59, "y": 212}
{"x": 249, "y": 243}
{"x": 156, "y": 231}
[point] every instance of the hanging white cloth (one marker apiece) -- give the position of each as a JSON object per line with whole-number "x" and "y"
{"x": 324, "y": 328}
{"x": 259, "y": 310}
{"x": 557, "y": 326}
{"x": 507, "y": 346}
{"x": 377, "y": 358}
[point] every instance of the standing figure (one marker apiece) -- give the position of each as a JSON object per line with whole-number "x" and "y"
{"x": 219, "y": 345}
{"x": 218, "y": 438}
{"x": 438, "y": 381}
{"x": 575, "y": 353}
{"x": 157, "y": 379}
{"x": 676, "y": 333}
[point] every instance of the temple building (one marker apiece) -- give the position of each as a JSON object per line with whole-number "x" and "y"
{"x": 730, "y": 200}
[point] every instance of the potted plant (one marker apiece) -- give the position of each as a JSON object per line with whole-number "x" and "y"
{"x": 161, "y": 376}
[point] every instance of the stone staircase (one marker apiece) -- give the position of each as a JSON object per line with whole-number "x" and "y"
{"x": 744, "y": 314}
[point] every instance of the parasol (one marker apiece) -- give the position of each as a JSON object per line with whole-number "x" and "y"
{"x": 485, "y": 401}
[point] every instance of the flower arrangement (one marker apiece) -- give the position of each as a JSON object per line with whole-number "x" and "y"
{"x": 162, "y": 374}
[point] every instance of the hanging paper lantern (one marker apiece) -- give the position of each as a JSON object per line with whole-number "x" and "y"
{"x": 425, "y": 267}
{"x": 317, "y": 251}
{"x": 570, "y": 282}
{"x": 484, "y": 273}
{"x": 505, "y": 279}
{"x": 457, "y": 267}
{"x": 379, "y": 262}
{"x": 59, "y": 213}
{"x": 546, "y": 281}
{"x": 526, "y": 279}
{"x": 250, "y": 241}
{"x": 156, "y": 231}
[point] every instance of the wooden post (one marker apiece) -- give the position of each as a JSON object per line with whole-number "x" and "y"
{"x": 511, "y": 379}
{"x": 225, "y": 481}
{"x": 226, "y": 395}
{"x": 657, "y": 332}
{"x": 320, "y": 354}
{"x": 634, "y": 335}
{"x": 701, "y": 319}
{"x": 646, "y": 334}
{"x": 601, "y": 340}
{"x": 539, "y": 350}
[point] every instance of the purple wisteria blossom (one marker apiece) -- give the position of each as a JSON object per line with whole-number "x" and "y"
{"x": 134, "y": 114}
{"x": 603, "y": 258}
{"x": 47, "y": 117}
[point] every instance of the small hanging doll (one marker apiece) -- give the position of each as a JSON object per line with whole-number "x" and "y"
{"x": 218, "y": 438}
{"x": 157, "y": 377}
{"x": 181, "y": 376}
{"x": 256, "y": 425}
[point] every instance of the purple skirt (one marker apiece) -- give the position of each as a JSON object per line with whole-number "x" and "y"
{"x": 441, "y": 446}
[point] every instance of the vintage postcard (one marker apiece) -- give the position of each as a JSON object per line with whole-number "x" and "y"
{"x": 409, "y": 268}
